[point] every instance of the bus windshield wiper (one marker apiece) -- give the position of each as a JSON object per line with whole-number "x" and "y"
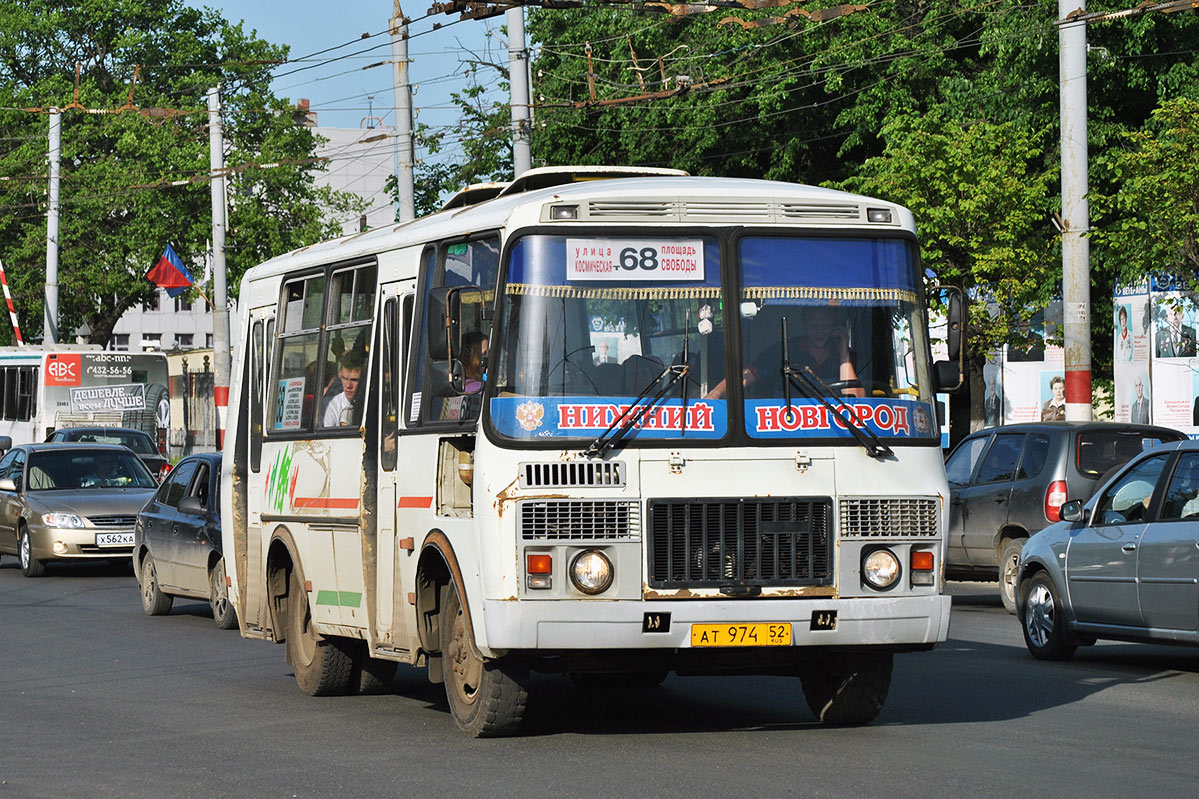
{"x": 808, "y": 382}
{"x": 641, "y": 406}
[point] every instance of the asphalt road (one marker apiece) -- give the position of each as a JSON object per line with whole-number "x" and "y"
{"x": 98, "y": 700}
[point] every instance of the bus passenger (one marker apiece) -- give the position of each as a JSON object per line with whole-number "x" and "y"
{"x": 343, "y": 410}
{"x": 473, "y": 357}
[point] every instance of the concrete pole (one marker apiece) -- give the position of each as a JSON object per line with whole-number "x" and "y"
{"x": 220, "y": 296}
{"x": 518, "y": 81}
{"x": 1076, "y": 269}
{"x": 404, "y": 149}
{"x": 50, "y": 326}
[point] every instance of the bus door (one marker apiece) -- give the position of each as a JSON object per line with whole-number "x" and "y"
{"x": 395, "y": 324}
{"x": 262, "y": 336}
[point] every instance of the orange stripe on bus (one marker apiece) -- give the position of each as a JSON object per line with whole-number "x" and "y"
{"x": 415, "y": 502}
{"x": 323, "y": 502}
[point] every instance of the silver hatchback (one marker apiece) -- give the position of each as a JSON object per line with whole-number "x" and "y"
{"x": 1123, "y": 565}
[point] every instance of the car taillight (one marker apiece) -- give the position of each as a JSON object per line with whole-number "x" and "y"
{"x": 1055, "y": 497}
{"x": 163, "y": 471}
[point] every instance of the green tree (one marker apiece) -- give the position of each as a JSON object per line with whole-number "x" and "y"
{"x": 1151, "y": 219}
{"x": 119, "y": 202}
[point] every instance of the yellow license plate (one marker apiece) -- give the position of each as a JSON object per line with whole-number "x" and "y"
{"x": 775, "y": 634}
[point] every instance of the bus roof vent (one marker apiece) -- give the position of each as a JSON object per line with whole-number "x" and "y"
{"x": 474, "y": 194}
{"x": 631, "y": 209}
{"x": 719, "y": 210}
{"x": 577, "y": 474}
{"x": 819, "y": 211}
{"x": 545, "y": 177}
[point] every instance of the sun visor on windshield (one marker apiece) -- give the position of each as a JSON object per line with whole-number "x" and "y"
{"x": 817, "y": 271}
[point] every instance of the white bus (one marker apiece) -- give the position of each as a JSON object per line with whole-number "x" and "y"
{"x": 45, "y": 388}
{"x": 503, "y": 439}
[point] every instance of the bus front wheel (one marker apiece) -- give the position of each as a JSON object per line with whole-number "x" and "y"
{"x": 322, "y": 667}
{"x": 847, "y": 688}
{"x": 487, "y": 697}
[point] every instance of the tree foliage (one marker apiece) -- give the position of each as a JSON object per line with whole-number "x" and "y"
{"x": 117, "y": 209}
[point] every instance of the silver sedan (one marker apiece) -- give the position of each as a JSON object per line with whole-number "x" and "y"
{"x": 70, "y": 502}
{"x": 1124, "y": 565}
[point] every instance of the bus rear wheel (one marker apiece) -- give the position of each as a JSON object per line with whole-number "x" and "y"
{"x": 487, "y": 697}
{"x": 847, "y": 688}
{"x": 322, "y": 668}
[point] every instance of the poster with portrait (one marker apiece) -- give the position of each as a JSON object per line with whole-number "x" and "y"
{"x": 1029, "y": 365}
{"x": 1174, "y": 359}
{"x": 1132, "y": 322}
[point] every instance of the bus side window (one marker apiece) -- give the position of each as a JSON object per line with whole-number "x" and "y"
{"x": 460, "y": 263}
{"x": 6, "y": 407}
{"x": 296, "y": 390}
{"x": 389, "y": 379}
{"x": 256, "y": 388}
{"x": 351, "y": 306}
{"x": 26, "y": 377}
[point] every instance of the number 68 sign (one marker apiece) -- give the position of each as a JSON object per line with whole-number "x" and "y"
{"x": 650, "y": 260}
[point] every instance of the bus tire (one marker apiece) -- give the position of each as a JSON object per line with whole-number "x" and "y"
{"x": 487, "y": 698}
{"x": 371, "y": 675}
{"x": 847, "y": 688}
{"x": 322, "y": 668}
{"x": 30, "y": 566}
{"x": 154, "y": 601}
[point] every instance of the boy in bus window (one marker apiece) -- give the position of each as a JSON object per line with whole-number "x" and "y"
{"x": 474, "y": 356}
{"x": 343, "y": 410}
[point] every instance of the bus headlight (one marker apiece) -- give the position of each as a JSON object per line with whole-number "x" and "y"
{"x": 880, "y": 569}
{"x": 591, "y": 572}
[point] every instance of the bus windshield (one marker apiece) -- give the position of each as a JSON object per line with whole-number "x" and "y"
{"x": 844, "y": 313}
{"x": 589, "y": 324}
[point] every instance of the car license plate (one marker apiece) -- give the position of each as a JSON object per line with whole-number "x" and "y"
{"x": 114, "y": 539}
{"x": 773, "y": 634}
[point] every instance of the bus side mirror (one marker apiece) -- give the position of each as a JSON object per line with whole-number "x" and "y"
{"x": 951, "y": 374}
{"x": 451, "y": 310}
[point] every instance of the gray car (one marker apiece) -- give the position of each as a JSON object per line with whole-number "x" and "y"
{"x": 70, "y": 502}
{"x": 1006, "y": 483}
{"x": 1123, "y": 565}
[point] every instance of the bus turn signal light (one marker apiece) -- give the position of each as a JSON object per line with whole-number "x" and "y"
{"x": 922, "y": 568}
{"x": 540, "y": 570}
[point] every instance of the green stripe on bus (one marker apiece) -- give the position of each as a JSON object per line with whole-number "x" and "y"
{"x": 346, "y": 599}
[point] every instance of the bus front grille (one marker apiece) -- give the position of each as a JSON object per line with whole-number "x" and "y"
{"x": 578, "y": 520}
{"x": 740, "y": 542}
{"x": 871, "y": 517}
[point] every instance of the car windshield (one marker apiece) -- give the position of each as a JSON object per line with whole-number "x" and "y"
{"x": 138, "y": 442}
{"x": 71, "y": 470}
{"x": 588, "y": 325}
{"x": 846, "y": 311}
{"x": 1101, "y": 450}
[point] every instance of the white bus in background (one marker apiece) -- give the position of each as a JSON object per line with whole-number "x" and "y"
{"x": 504, "y": 439}
{"x": 43, "y": 389}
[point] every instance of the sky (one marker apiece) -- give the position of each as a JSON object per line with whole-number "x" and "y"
{"x": 340, "y": 91}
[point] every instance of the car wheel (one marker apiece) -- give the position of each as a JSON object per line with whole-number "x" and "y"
{"x": 487, "y": 697}
{"x": 154, "y": 601}
{"x": 847, "y": 688}
{"x": 321, "y": 665}
{"x": 218, "y": 598}
{"x": 1009, "y": 571}
{"x": 30, "y": 566}
{"x": 1042, "y": 620}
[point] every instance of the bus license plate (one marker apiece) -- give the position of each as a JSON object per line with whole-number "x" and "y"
{"x": 777, "y": 634}
{"x": 114, "y": 539}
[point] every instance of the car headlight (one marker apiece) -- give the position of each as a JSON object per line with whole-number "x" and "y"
{"x": 880, "y": 569}
{"x": 591, "y": 572}
{"x": 65, "y": 520}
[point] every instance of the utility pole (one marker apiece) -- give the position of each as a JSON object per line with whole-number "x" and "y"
{"x": 220, "y": 298}
{"x": 50, "y": 327}
{"x": 404, "y": 150}
{"x": 1076, "y": 269}
{"x": 518, "y": 81}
